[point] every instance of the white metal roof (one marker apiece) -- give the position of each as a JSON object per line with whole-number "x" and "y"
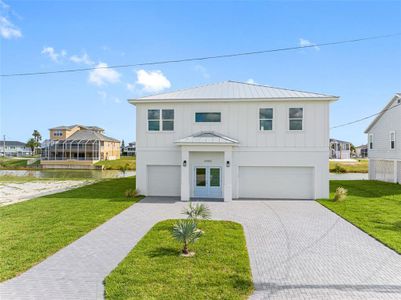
{"x": 233, "y": 90}
{"x": 386, "y": 108}
{"x": 207, "y": 137}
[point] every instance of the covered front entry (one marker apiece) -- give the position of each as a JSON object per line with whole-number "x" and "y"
{"x": 207, "y": 182}
{"x": 206, "y": 166}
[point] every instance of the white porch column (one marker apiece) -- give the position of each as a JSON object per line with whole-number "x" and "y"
{"x": 185, "y": 187}
{"x": 228, "y": 165}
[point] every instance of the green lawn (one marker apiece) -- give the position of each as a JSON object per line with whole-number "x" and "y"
{"x": 10, "y": 163}
{"x": 373, "y": 206}
{"x": 154, "y": 269}
{"x": 130, "y": 161}
{"x": 32, "y": 230}
{"x": 361, "y": 166}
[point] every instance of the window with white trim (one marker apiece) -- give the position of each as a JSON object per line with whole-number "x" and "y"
{"x": 266, "y": 118}
{"x": 160, "y": 119}
{"x": 296, "y": 116}
{"x": 392, "y": 139}
{"x": 370, "y": 141}
{"x": 58, "y": 133}
{"x": 207, "y": 117}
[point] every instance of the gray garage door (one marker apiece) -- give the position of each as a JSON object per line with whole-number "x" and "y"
{"x": 164, "y": 180}
{"x": 276, "y": 182}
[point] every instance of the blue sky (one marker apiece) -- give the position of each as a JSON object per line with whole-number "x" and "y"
{"x": 52, "y": 35}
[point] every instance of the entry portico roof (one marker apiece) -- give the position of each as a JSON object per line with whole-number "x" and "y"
{"x": 207, "y": 137}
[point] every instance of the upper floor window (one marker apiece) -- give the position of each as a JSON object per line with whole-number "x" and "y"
{"x": 370, "y": 141}
{"x": 58, "y": 133}
{"x": 392, "y": 140}
{"x": 296, "y": 116}
{"x": 160, "y": 119}
{"x": 205, "y": 117}
{"x": 266, "y": 118}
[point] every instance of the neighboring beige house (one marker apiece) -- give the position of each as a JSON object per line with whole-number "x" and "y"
{"x": 384, "y": 143}
{"x": 78, "y": 147}
{"x": 233, "y": 140}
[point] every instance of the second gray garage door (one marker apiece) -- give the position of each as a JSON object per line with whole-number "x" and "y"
{"x": 276, "y": 182}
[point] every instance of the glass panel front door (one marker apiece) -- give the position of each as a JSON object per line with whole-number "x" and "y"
{"x": 208, "y": 182}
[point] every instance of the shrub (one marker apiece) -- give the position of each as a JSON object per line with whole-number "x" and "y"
{"x": 338, "y": 169}
{"x": 186, "y": 232}
{"x": 131, "y": 193}
{"x": 341, "y": 194}
{"x": 198, "y": 211}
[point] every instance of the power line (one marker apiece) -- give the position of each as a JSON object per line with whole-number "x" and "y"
{"x": 163, "y": 62}
{"x": 365, "y": 118}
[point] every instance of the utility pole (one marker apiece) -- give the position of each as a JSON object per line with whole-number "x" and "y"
{"x": 4, "y": 145}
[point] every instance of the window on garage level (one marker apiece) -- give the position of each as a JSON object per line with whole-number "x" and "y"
{"x": 266, "y": 118}
{"x": 296, "y": 116}
{"x": 392, "y": 139}
{"x": 207, "y": 117}
{"x": 161, "y": 119}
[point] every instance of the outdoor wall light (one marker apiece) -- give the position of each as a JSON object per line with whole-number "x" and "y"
{"x": 228, "y": 164}
{"x": 184, "y": 163}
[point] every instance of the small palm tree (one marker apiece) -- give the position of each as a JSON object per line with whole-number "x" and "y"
{"x": 185, "y": 231}
{"x": 198, "y": 211}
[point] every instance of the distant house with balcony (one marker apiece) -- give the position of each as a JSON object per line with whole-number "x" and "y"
{"x": 14, "y": 149}
{"x": 129, "y": 150}
{"x": 78, "y": 147}
{"x": 361, "y": 151}
{"x": 340, "y": 149}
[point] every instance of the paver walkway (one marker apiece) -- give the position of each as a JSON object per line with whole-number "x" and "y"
{"x": 298, "y": 250}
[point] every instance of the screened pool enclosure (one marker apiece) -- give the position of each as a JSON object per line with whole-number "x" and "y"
{"x": 72, "y": 150}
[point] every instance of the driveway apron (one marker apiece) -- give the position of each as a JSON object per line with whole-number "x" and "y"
{"x": 297, "y": 250}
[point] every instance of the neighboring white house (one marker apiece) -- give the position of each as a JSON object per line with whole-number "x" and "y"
{"x": 384, "y": 143}
{"x": 361, "y": 151}
{"x": 340, "y": 149}
{"x": 14, "y": 148}
{"x": 129, "y": 150}
{"x": 233, "y": 140}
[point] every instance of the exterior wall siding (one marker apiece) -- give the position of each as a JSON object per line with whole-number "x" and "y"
{"x": 240, "y": 121}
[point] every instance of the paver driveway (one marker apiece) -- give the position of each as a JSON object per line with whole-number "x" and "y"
{"x": 298, "y": 249}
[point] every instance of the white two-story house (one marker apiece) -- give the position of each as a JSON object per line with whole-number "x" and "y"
{"x": 233, "y": 140}
{"x": 384, "y": 143}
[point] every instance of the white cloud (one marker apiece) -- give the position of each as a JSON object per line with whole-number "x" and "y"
{"x": 53, "y": 54}
{"x": 152, "y": 81}
{"x": 307, "y": 43}
{"x": 8, "y": 30}
{"x": 251, "y": 81}
{"x": 103, "y": 75}
{"x": 201, "y": 69}
{"x": 131, "y": 87}
{"x": 82, "y": 59}
{"x": 117, "y": 100}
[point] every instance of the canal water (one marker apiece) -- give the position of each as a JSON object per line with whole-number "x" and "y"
{"x": 68, "y": 174}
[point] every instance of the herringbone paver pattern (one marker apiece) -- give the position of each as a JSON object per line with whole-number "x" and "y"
{"x": 297, "y": 249}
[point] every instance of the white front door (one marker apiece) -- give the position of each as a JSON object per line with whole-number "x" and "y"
{"x": 207, "y": 182}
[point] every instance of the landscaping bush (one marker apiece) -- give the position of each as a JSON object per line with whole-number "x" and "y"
{"x": 338, "y": 169}
{"x": 341, "y": 194}
{"x": 131, "y": 193}
{"x": 186, "y": 232}
{"x": 198, "y": 211}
